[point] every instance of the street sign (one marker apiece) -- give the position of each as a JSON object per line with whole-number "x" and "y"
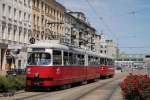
{"x": 32, "y": 40}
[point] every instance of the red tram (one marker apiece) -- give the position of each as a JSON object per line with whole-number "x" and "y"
{"x": 54, "y": 64}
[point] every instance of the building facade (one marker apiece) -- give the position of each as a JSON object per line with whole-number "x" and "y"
{"x": 81, "y": 34}
{"x": 47, "y": 19}
{"x": 103, "y": 44}
{"x": 23, "y": 20}
{"x": 15, "y": 27}
{"x": 112, "y": 48}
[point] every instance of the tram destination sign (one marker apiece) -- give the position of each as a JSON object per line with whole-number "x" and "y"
{"x": 15, "y": 46}
{"x": 38, "y": 49}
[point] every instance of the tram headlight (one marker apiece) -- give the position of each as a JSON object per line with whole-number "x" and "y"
{"x": 28, "y": 70}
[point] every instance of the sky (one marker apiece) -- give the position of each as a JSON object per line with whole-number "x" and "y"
{"x": 127, "y": 22}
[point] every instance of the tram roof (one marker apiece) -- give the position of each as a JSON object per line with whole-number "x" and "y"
{"x": 49, "y": 44}
{"x": 54, "y": 44}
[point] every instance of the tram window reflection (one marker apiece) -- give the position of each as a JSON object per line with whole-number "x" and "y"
{"x": 39, "y": 59}
{"x": 57, "y": 57}
{"x": 66, "y": 59}
{"x": 80, "y": 59}
{"x": 102, "y": 61}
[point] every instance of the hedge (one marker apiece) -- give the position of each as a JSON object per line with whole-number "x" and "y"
{"x": 11, "y": 83}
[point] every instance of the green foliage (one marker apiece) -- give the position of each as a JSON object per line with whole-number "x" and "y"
{"x": 11, "y": 83}
{"x": 136, "y": 87}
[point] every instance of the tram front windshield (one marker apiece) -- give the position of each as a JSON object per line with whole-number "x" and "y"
{"x": 39, "y": 59}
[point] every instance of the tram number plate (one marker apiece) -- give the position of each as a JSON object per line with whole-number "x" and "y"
{"x": 36, "y": 83}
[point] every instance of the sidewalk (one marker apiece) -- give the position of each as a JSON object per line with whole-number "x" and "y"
{"x": 117, "y": 94}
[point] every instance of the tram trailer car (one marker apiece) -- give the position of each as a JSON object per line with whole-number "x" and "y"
{"x": 107, "y": 68}
{"x": 53, "y": 64}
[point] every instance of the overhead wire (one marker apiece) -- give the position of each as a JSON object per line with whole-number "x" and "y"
{"x": 101, "y": 19}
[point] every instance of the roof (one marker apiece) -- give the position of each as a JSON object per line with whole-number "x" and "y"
{"x": 54, "y": 44}
{"x": 49, "y": 44}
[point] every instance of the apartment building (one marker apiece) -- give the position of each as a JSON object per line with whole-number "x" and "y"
{"x": 103, "y": 44}
{"x": 112, "y": 48}
{"x": 81, "y": 34}
{"x": 15, "y": 28}
{"x": 47, "y": 19}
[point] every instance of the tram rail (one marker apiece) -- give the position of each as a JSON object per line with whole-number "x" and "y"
{"x": 72, "y": 93}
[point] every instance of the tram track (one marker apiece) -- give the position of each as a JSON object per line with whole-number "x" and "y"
{"x": 88, "y": 92}
{"x": 75, "y": 93}
{"x": 99, "y": 93}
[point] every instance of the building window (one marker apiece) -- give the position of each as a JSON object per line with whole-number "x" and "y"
{"x": 37, "y": 20}
{"x": 29, "y": 18}
{"x": 105, "y": 51}
{"x": 54, "y": 12}
{"x": 9, "y": 30}
{"x": 3, "y": 10}
{"x": 29, "y": 3}
{"x": 20, "y": 15}
{"x": 37, "y": 3}
{"x": 25, "y": 2}
{"x": 34, "y": 19}
{"x": 45, "y": 8}
{"x": 15, "y": 29}
{"x": 25, "y": 31}
{"x": 9, "y": 11}
{"x": 42, "y": 6}
{"x": 42, "y": 20}
{"x": 101, "y": 51}
{"x": 24, "y": 16}
{"x": 15, "y": 13}
{"x": 3, "y": 30}
{"x": 48, "y": 10}
{"x": 33, "y": 3}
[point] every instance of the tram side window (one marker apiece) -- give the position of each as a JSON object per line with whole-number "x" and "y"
{"x": 102, "y": 61}
{"x": 71, "y": 58}
{"x": 108, "y": 62}
{"x": 91, "y": 60}
{"x": 112, "y": 62}
{"x": 57, "y": 58}
{"x": 66, "y": 59}
{"x": 96, "y": 61}
{"x": 39, "y": 59}
{"x": 75, "y": 62}
{"x": 80, "y": 59}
